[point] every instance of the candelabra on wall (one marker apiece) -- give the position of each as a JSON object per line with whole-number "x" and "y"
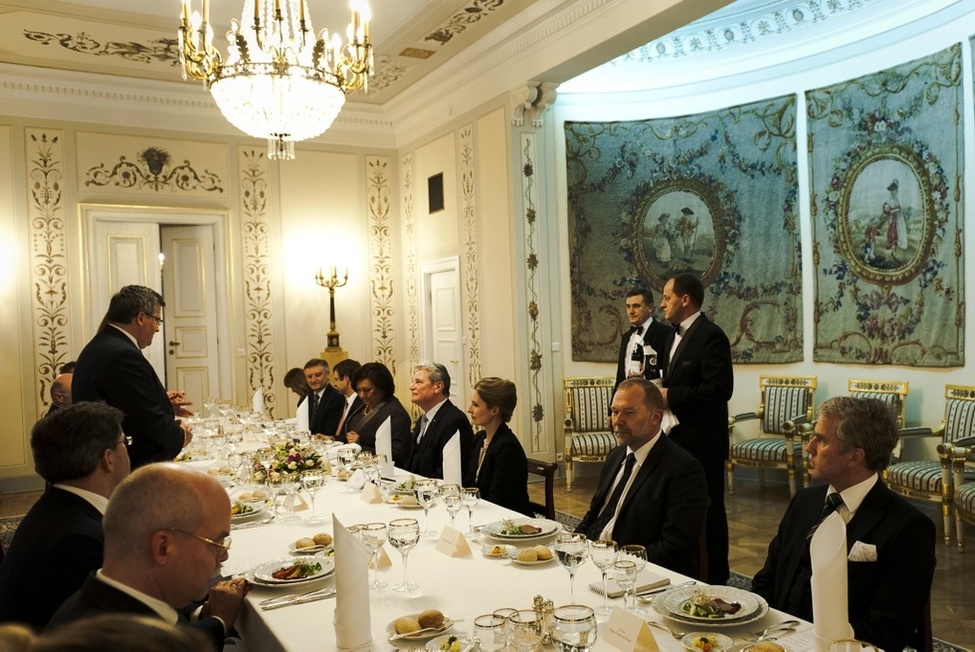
{"x": 333, "y": 351}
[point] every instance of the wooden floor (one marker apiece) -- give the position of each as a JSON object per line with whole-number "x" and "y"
{"x": 753, "y": 516}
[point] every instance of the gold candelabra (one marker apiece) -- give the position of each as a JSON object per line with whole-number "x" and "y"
{"x": 331, "y": 282}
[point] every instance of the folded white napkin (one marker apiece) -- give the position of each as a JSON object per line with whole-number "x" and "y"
{"x": 452, "y": 469}
{"x": 257, "y": 401}
{"x": 351, "y": 619}
{"x": 384, "y": 441}
{"x": 827, "y": 551}
{"x": 668, "y": 421}
{"x": 357, "y": 480}
{"x": 302, "y": 416}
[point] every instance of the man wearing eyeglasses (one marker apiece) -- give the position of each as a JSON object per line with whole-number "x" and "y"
{"x": 81, "y": 452}
{"x": 112, "y": 368}
{"x": 160, "y": 555}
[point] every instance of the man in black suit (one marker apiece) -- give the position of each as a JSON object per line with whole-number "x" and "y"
{"x": 161, "y": 554}
{"x": 111, "y": 368}
{"x": 697, "y": 385}
{"x": 80, "y": 451}
{"x": 890, "y": 543}
{"x": 440, "y": 421}
{"x": 325, "y": 404}
{"x": 651, "y": 492}
{"x": 642, "y": 346}
{"x": 342, "y": 375}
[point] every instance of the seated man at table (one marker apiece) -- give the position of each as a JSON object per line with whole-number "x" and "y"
{"x": 651, "y": 491}
{"x": 81, "y": 452}
{"x": 167, "y": 530}
{"x": 440, "y": 421}
{"x": 891, "y": 543}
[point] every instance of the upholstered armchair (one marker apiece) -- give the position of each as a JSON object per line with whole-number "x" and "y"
{"x": 920, "y": 466}
{"x": 891, "y": 392}
{"x": 587, "y": 438}
{"x": 786, "y": 401}
{"x": 963, "y": 468}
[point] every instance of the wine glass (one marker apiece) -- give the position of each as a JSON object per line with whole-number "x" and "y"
{"x": 489, "y": 632}
{"x": 526, "y": 629}
{"x": 571, "y": 549}
{"x": 624, "y": 573}
{"x": 426, "y": 494}
{"x": 506, "y": 613}
{"x": 312, "y": 481}
{"x": 404, "y": 534}
{"x": 289, "y": 484}
{"x": 374, "y": 535}
{"x": 603, "y": 553}
{"x": 452, "y": 503}
{"x": 638, "y": 555}
{"x": 346, "y": 457}
{"x": 574, "y": 628}
{"x": 470, "y": 497}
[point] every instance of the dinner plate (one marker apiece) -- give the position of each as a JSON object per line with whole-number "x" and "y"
{"x": 513, "y": 555}
{"x": 420, "y": 636}
{"x": 249, "y": 516}
{"x": 313, "y": 550}
{"x": 499, "y": 551}
{"x": 548, "y": 528}
{"x": 265, "y": 570}
{"x": 466, "y": 642}
{"x": 397, "y": 499}
{"x": 670, "y": 604}
{"x": 715, "y": 639}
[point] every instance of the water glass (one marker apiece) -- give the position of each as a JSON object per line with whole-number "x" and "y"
{"x": 625, "y": 573}
{"x": 571, "y": 549}
{"x": 489, "y": 632}
{"x": 289, "y": 483}
{"x": 452, "y": 503}
{"x": 603, "y": 553}
{"x": 471, "y": 496}
{"x": 426, "y": 495}
{"x": 373, "y": 536}
{"x": 573, "y": 628}
{"x": 404, "y": 534}
{"x": 506, "y": 613}
{"x": 312, "y": 482}
{"x": 526, "y": 629}
{"x": 638, "y": 555}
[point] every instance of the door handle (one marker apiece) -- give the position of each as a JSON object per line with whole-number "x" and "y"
{"x": 173, "y": 343}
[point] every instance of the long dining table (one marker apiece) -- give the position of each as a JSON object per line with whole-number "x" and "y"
{"x": 462, "y": 587}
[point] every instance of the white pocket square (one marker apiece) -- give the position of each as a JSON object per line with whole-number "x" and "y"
{"x": 863, "y": 552}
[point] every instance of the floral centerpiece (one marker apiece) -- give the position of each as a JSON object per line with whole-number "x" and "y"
{"x": 288, "y": 457}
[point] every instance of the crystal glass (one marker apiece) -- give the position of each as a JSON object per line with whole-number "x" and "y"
{"x": 404, "y": 534}
{"x": 452, "y": 503}
{"x": 638, "y": 555}
{"x": 426, "y": 494}
{"x": 571, "y": 549}
{"x": 489, "y": 632}
{"x": 603, "y": 553}
{"x": 506, "y": 613}
{"x": 625, "y": 572}
{"x": 289, "y": 484}
{"x": 374, "y": 535}
{"x": 312, "y": 482}
{"x": 346, "y": 457}
{"x": 526, "y": 630}
{"x": 574, "y": 628}
{"x": 471, "y": 496}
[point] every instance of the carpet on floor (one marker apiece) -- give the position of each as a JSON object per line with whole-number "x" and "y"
{"x": 740, "y": 581}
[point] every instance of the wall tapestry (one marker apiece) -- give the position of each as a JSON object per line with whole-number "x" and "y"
{"x": 885, "y": 161}
{"x": 713, "y": 194}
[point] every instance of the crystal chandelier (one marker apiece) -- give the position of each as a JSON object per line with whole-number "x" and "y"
{"x": 279, "y": 81}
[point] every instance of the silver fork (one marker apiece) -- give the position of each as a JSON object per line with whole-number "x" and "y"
{"x": 776, "y": 628}
{"x": 674, "y": 633}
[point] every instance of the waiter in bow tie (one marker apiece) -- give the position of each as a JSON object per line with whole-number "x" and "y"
{"x": 642, "y": 346}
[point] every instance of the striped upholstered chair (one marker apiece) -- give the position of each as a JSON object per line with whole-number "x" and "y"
{"x": 785, "y": 402}
{"x": 891, "y": 392}
{"x": 587, "y": 439}
{"x": 920, "y": 466}
{"x": 963, "y": 469}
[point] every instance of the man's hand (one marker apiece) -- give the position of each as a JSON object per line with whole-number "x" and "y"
{"x": 225, "y": 600}
{"x": 351, "y": 437}
{"x": 178, "y": 401}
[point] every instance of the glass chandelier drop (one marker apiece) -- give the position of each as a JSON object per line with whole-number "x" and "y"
{"x": 278, "y": 81}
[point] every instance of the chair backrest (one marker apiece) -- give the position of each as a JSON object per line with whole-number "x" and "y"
{"x": 891, "y": 392}
{"x": 546, "y": 470}
{"x": 784, "y": 398}
{"x": 959, "y": 420}
{"x": 587, "y": 402}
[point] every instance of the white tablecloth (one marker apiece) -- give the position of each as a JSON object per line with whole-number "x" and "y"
{"x": 460, "y": 587}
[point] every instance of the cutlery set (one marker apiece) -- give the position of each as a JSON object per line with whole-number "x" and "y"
{"x": 297, "y": 598}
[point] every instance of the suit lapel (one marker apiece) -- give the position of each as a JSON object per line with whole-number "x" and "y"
{"x": 685, "y": 338}
{"x": 649, "y": 464}
{"x": 871, "y": 510}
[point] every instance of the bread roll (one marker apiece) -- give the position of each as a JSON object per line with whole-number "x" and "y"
{"x": 430, "y": 618}
{"x": 304, "y": 542}
{"x": 322, "y": 539}
{"x": 544, "y": 552}
{"x": 406, "y": 625}
{"x": 528, "y": 554}
{"x": 765, "y": 646}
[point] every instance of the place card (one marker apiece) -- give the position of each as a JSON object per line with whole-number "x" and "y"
{"x": 452, "y": 543}
{"x": 628, "y": 632}
{"x": 370, "y": 494}
{"x": 384, "y": 560}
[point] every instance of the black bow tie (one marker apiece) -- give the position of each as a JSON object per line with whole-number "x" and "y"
{"x": 636, "y": 329}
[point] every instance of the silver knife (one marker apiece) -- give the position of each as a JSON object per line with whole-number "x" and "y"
{"x": 286, "y": 601}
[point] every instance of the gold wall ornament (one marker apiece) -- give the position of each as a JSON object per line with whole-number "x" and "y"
{"x": 381, "y": 261}
{"x": 472, "y": 294}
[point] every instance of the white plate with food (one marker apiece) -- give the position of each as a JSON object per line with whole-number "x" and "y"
{"x": 425, "y": 624}
{"x": 294, "y": 571}
{"x": 320, "y": 542}
{"x": 534, "y": 556}
{"x": 714, "y": 605}
{"x": 451, "y": 643}
{"x": 406, "y": 501}
{"x": 241, "y": 512}
{"x": 706, "y": 641}
{"x": 521, "y": 529}
{"x": 497, "y": 551}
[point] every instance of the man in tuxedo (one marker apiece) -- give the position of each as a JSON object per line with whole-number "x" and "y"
{"x": 642, "y": 346}
{"x": 651, "y": 492}
{"x": 325, "y": 404}
{"x": 697, "y": 385}
{"x": 112, "y": 368}
{"x": 890, "y": 543}
{"x": 440, "y": 420}
{"x": 80, "y": 451}
{"x": 342, "y": 376}
{"x": 60, "y": 392}
{"x": 160, "y": 555}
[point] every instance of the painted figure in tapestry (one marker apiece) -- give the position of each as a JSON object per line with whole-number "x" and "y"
{"x": 896, "y": 222}
{"x": 660, "y": 237}
{"x": 880, "y": 235}
{"x": 687, "y": 228}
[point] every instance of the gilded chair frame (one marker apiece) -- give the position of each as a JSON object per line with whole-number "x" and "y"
{"x": 892, "y": 392}
{"x": 587, "y": 437}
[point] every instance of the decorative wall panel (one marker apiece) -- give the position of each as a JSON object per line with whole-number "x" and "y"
{"x": 533, "y": 283}
{"x": 381, "y": 261}
{"x": 471, "y": 291}
{"x": 409, "y": 248}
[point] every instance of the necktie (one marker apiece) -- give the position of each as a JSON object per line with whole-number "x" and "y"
{"x": 345, "y": 411}
{"x": 423, "y": 428}
{"x": 833, "y": 502}
{"x": 610, "y": 510}
{"x": 312, "y": 408}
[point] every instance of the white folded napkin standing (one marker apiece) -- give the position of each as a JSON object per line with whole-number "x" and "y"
{"x": 257, "y": 401}
{"x": 353, "y": 627}
{"x": 452, "y": 469}
{"x": 827, "y": 551}
{"x": 669, "y": 419}
{"x": 357, "y": 480}
{"x": 302, "y": 416}
{"x": 384, "y": 446}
